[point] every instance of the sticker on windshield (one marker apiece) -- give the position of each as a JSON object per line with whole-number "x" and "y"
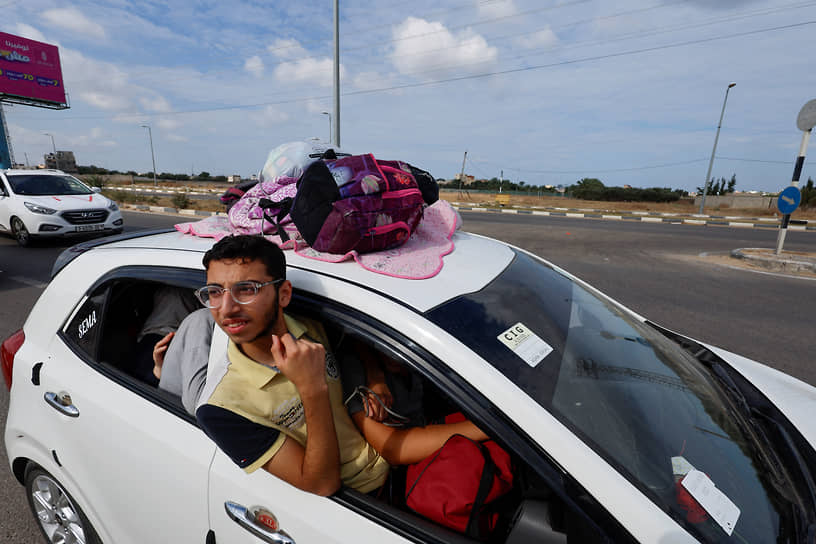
{"x": 525, "y": 343}
{"x": 714, "y": 501}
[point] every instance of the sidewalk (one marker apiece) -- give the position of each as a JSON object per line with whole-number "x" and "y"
{"x": 786, "y": 261}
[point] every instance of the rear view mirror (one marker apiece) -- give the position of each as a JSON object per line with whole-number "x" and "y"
{"x": 96, "y": 189}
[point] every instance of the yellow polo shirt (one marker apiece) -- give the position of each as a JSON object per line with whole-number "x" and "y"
{"x": 253, "y": 408}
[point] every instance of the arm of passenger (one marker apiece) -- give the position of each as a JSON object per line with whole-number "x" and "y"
{"x": 159, "y": 351}
{"x": 315, "y": 467}
{"x": 405, "y": 446}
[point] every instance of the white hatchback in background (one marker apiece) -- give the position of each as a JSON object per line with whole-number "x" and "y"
{"x": 40, "y": 203}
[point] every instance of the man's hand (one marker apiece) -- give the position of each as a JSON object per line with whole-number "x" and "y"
{"x": 159, "y": 350}
{"x": 302, "y": 361}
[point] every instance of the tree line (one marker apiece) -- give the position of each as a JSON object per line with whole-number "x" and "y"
{"x": 99, "y": 171}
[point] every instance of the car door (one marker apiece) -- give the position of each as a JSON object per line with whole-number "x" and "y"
{"x": 140, "y": 464}
{"x": 299, "y": 516}
{"x": 545, "y": 499}
{"x": 5, "y": 203}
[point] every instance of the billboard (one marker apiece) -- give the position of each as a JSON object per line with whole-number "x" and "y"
{"x": 30, "y": 72}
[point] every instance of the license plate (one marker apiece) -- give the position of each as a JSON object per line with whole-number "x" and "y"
{"x": 89, "y": 228}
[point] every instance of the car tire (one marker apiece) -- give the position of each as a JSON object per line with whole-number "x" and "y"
{"x": 20, "y": 232}
{"x": 58, "y": 515}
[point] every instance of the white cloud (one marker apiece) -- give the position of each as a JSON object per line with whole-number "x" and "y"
{"x": 255, "y": 66}
{"x": 429, "y": 46}
{"x": 155, "y": 103}
{"x": 494, "y": 9}
{"x": 72, "y": 19}
{"x": 173, "y": 137}
{"x": 271, "y": 116}
{"x": 314, "y": 71}
{"x": 168, "y": 124}
{"x": 365, "y": 81}
{"x": 114, "y": 91}
{"x": 28, "y": 31}
{"x": 542, "y": 39}
{"x": 105, "y": 101}
{"x": 287, "y": 49}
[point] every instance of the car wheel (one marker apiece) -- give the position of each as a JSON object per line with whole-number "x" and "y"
{"x": 20, "y": 232}
{"x": 59, "y": 517}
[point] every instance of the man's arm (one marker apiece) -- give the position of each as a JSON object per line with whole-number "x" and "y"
{"x": 406, "y": 446}
{"x": 315, "y": 468}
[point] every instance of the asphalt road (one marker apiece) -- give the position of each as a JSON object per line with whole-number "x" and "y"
{"x": 650, "y": 267}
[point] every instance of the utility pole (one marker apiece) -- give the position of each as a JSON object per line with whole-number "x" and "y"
{"x": 336, "y": 74}
{"x": 152, "y": 155}
{"x": 714, "y": 149}
{"x": 462, "y": 174}
{"x": 501, "y": 179}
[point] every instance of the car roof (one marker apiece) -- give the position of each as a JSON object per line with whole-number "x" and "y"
{"x": 14, "y": 171}
{"x": 474, "y": 262}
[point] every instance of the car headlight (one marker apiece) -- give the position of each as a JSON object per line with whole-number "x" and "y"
{"x": 36, "y": 208}
{"x": 112, "y": 206}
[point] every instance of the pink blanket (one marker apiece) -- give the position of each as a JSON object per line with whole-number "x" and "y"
{"x": 419, "y": 258}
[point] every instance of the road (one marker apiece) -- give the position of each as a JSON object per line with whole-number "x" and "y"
{"x": 652, "y": 268}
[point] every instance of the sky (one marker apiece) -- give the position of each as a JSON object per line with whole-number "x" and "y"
{"x": 541, "y": 91}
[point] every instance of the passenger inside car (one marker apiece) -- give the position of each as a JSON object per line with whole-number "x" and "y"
{"x": 412, "y": 437}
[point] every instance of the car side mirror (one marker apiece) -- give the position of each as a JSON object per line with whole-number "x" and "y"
{"x": 96, "y": 189}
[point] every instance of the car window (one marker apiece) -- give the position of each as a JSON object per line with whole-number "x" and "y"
{"x": 47, "y": 184}
{"x": 634, "y": 396}
{"x": 84, "y": 329}
{"x": 533, "y": 506}
{"x": 125, "y": 314}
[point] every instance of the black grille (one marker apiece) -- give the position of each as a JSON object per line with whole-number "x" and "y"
{"x": 85, "y": 217}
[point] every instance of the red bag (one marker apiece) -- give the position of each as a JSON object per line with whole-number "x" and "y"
{"x": 454, "y": 485}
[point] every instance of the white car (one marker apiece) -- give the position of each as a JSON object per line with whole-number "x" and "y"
{"x": 40, "y": 203}
{"x": 619, "y": 430}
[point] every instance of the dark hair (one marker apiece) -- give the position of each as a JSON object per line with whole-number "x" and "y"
{"x": 246, "y": 247}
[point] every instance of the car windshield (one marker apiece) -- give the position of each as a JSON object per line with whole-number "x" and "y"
{"x": 643, "y": 403}
{"x": 47, "y": 184}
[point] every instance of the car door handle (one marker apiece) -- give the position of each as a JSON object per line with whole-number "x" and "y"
{"x": 62, "y": 403}
{"x": 258, "y": 521}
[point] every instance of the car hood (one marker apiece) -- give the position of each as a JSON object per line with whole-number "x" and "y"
{"x": 69, "y": 202}
{"x": 793, "y": 397}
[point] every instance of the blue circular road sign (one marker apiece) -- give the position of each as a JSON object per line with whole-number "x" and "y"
{"x": 789, "y": 200}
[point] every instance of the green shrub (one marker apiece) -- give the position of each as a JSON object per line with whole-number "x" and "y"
{"x": 181, "y": 201}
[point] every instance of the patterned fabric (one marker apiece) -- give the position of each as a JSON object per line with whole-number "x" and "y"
{"x": 246, "y": 216}
{"x": 419, "y": 258}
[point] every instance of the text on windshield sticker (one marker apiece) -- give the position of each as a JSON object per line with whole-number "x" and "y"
{"x": 525, "y": 343}
{"x": 714, "y": 501}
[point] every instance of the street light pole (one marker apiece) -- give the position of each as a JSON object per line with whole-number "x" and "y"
{"x": 714, "y": 149}
{"x": 330, "y": 132}
{"x": 54, "y": 146}
{"x": 152, "y": 155}
{"x": 336, "y": 138}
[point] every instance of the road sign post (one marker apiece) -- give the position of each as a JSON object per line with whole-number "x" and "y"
{"x": 805, "y": 122}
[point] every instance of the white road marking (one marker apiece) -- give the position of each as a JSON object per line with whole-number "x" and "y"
{"x": 28, "y": 281}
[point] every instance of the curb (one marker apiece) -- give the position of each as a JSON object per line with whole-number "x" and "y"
{"x": 765, "y": 223}
{"x": 650, "y": 217}
{"x": 782, "y": 263}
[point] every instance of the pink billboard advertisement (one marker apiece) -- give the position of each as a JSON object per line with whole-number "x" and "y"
{"x": 30, "y": 70}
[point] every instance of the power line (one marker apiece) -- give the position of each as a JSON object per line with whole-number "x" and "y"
{"x": 458, "y": 78}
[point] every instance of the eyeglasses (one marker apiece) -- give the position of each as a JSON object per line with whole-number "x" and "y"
{"x": 242, "y": 292}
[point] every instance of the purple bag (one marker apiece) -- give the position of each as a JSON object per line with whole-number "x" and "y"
{"x": 356, "y": 203}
